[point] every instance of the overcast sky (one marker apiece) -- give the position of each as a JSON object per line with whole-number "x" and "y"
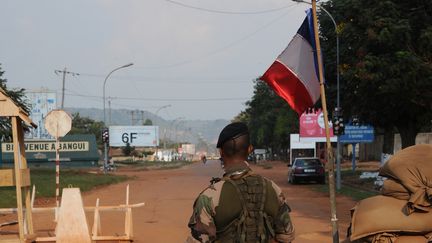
{"x": 199, "y": 56}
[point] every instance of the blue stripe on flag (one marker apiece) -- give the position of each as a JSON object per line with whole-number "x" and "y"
{"x": 307, "y": 31}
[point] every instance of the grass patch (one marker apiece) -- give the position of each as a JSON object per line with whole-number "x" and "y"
{"x": 44, "y": 179}
{"x": 154, "y": 165}
{"x": 265, "y": 165}
{"x": 352, "y": 186}
{"x": 355, "y": 193}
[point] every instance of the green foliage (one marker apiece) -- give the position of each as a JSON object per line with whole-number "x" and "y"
{"x": 147, "y": 153}
{"x": 44, "y": 179}
{"x": 270, "y": 119}
{"x": 148, "y": 122}
{"x": 353, "y": 186}
{"x": 352, "y": 192}
{"x": 18, "y": 96}
{"x": 154, "y": 165}
{"x": 127, "y": 150}
{"x": 85, "y": 125}
{"x": 243, "y": 116}
{"x": 385, "y": 53}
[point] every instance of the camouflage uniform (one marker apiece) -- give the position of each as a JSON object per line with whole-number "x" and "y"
{"x": 241, "y": 207}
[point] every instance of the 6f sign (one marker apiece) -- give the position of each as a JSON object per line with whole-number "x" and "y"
{"x": 129, "y": 137}
{"x": 140, "y": 136}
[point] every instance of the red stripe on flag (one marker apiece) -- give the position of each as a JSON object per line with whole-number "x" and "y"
{"x": 288, "y": 86}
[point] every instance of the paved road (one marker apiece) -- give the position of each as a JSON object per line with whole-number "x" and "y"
{"x": 169, "y": 195}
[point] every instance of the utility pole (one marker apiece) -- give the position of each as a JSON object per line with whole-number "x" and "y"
{"x": 64, "y": 80}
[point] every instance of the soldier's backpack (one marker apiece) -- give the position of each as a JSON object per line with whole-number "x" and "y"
{"x": 253, "y": 224}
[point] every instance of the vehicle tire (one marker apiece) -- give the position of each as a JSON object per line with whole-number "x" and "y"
{"x": 322, "y": 181}
{"x": 293, "y": 180}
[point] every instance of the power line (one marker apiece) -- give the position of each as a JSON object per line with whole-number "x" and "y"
{"x": 216, "y": 51}
{"x": 162, "y": 99}
{"x": 100, "y": 100}
{"x": 64, "y": 80}
{"x": 228, "y": 12}
{"x": 181, "y": 80}
{"x": 134, "y": 106}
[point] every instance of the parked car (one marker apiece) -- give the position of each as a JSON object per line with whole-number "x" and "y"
{"x": 306, "y": 169}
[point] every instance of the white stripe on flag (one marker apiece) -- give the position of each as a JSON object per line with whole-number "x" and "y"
{"x": 299, "y": 58}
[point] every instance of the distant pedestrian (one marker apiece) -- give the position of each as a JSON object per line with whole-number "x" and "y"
{"x": 323, "y": 156}
{"x": 240, "y": 207}
{"x": 204, "y": 159}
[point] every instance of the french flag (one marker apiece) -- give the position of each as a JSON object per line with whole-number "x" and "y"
{"x": 294, "y": 74}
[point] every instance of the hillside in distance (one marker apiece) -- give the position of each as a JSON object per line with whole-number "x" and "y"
{"x": 175, "y": 130}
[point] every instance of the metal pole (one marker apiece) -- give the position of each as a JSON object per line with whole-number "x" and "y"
{"x": 330, "y": 159}
{"x": 160, "y": 108}
{"x": 338, "y": 154}
{"x": 338, "y": 147}
{"x": 57, "y": 166}
{"x": 157, "y": 145}
{"x": 109, "y": 108}
{"x": 354, "y": 156}
{"x": 104, "y": 113}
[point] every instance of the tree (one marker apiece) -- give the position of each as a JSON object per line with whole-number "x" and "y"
{"x": 386, "y": 62}
{"x": 18, "y": 96}
{"x": 148, "y": 122}
{"x": 243, "y": 116}
{"x": 127, "y": 150}
{"x": 270, "y": 119}
{"x": 85, "y": 125}
{"x": 285, "y": 124}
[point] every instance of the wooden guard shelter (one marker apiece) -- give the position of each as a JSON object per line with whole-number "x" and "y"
{"x": 19, "y": 176}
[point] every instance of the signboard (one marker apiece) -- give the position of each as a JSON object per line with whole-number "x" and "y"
{"x": 80, "y": 149}
{"x": 358, "y": 134}
{"x": 188, "y": 148}
{"x": 58, "y": 123}
{"x": 48, "y": 146}
{"x": 260, "y": 151}
{"x": 312, "y": 125}
{"x": 42, "y": 102}
{"x": 138, "y": 136}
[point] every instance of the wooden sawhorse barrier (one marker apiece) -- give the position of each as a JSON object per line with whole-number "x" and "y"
{"x": 72, "y": 224}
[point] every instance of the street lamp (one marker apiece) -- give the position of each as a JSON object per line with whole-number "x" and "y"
{"x": 338, "y": 108}
{"x": 176, "y": 130}
{"x": 104, "y": 112}
{"x": 156, "y": 113}
{"x": 104, "y": 84}
{"x": 160, "y": 108}
{"x": 170, "y": 128}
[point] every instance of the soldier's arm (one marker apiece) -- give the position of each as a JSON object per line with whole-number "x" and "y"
{"x": 284, "y": 229}
{"x": 201, "y": 222}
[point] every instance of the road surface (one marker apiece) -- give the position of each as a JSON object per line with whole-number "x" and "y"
{"x": 169, "y": 195}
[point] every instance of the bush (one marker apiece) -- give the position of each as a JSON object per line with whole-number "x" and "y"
{"x": 127, "y": 150}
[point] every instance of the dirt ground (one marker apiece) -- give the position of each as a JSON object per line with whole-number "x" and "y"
{"x": 169, "y": 195}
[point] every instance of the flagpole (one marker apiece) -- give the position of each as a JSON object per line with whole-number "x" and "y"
{"x": 330, "y": 158}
